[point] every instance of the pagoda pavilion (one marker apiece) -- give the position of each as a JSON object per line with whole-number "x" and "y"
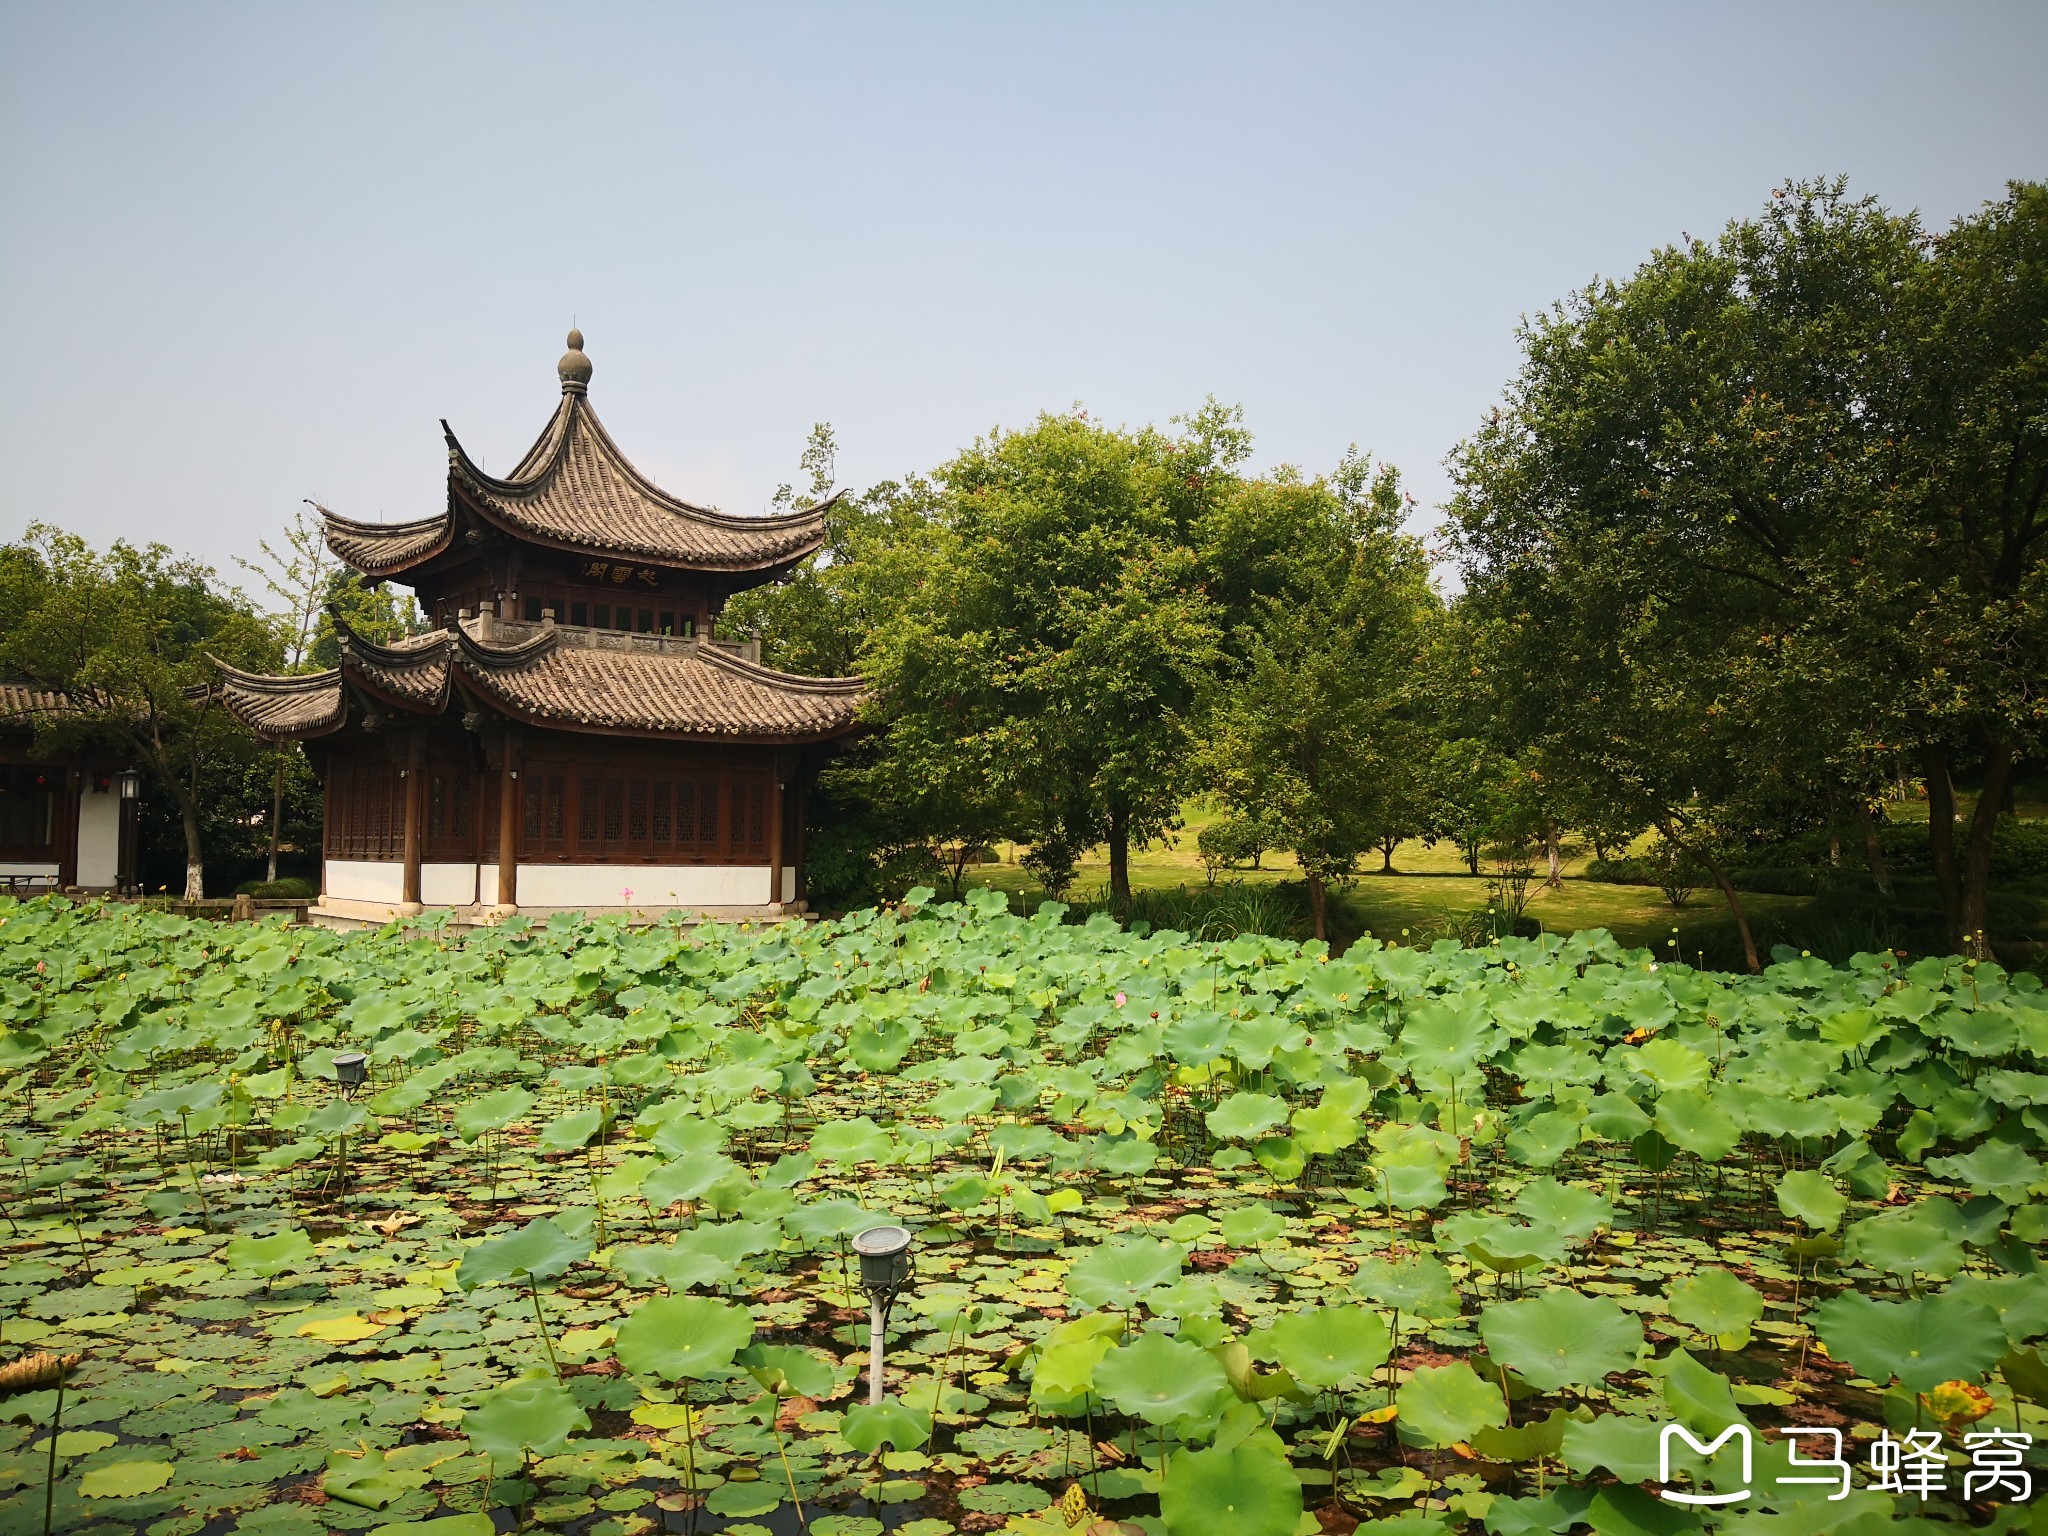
{"x": 567, "y": 733}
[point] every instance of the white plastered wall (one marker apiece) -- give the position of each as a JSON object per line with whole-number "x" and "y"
{"x": 28, "y": 871}
{"x": 650, "y": 885}
{"x": 99, "y": 839}
{"x": 450, "y": 885}
{"x": 364, "y": 880}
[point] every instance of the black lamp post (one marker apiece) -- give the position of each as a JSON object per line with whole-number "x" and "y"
{"x": 884, "y": 1271}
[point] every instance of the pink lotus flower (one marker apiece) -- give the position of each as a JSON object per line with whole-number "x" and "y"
{"x": 1121, "y": 999}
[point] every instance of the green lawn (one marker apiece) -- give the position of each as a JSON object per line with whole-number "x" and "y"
{"x": 1431, "y": 891}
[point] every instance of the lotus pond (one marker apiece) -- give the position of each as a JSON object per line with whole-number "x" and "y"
{"x": 1236, "y": 1237}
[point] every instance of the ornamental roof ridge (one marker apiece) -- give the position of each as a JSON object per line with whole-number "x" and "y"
{"x": 379, "y": 549}
{"x": 792, "y": 681}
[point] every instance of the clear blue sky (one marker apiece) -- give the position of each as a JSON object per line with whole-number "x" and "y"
{"x": 253, "y": 252}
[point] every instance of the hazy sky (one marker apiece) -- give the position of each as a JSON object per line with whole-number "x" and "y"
{"x": 252, "y": 253}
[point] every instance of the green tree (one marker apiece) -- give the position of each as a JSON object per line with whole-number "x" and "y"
{"x": 298, "y": 577}
{"x": 1767, "y": 512}
{"x": 1308, "y": 726}
{"x": 125, "y": 637}
{"x": 1045, "y": 627}
{"x": 1953, "y": 588}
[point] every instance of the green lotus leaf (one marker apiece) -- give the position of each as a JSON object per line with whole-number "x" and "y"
{"x": 786, "y": 1370}
{"x": 879, "y": 1045}
{"x": 1122, "y": 1274}
{"x": 1280, "y": 1156}
{"x": 125, "y": 1479}
{"x": 366, "y": 1481}
{"x": 1524, "y": 1442}
{"x": 963, "y": 1101}
{"x": 531, "y": 1415}
{"x": 336, "y": 1118}
{"x": 867, "y": 1427}
{"x": 1502, "y": 1245}
{"x": 1696, "y": 1396}
{"x": 1812, "y": 1198}
{"x": 492, "y": 1111}
{"x": 571, "y": 1131}
{"x": 683, "y": 1338}
{"x": 965, "y": 1192}
{"x": 266, "y": 1257}
{"x": 1411, "y": 1186}
{"x": 677, "y": 1269}
{"x": 1065, "y": 1371}
{"x": 688, "y": 1177}
{"x": 1417, "y": 1286}
{"x": 858, "y": 1140}
{"x": 1615, "y": 1117}
{"x": 1246, "y": 1226}
{"x": 1922, "y": 1239}
{"x": 1324, "y": 1130}
{"x": 1127, "y": 1155}
{"x": 1159, "y": 1379}
{"x": 1247, "y": 1490}
{"x": 1577, "y": 1213}
{"x": 1693, "y": 1121}
{"x": 1667, "y": 1065}
{"x": 540, "y": 1250}
{"x": 1542, "y": 1139}
{"x": 1995, "y": 1168}
{"x": 1561, "y": 1339}
{"x": 1922, "y": 1342}
{"x": 1246, "y": 1116}
{"x": 743, "y": 1501}
{"x": 1328, "y": 1347}
{"x": 1624, "y": 1445}
{"x": 1442, "y": 1405}
{"x": 1715, "y": 1302}
{"x": 2020, "y": 1301}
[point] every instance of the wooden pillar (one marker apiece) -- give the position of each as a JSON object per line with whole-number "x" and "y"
{"x": 774, "y": 833}
{"x": 799, "y": 809}
{"x": 415, "y": 815}
{"x": 508, "y": 830}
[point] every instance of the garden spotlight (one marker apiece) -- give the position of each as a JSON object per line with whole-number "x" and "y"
{"x": 351, "y": 1070}
{"x": 884, "y": 1270}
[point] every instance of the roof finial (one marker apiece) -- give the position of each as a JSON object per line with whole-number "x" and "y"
{"x": 574, "y": 366}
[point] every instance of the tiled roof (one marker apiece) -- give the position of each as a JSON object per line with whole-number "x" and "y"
{"x": 282, "y": 708}
{"x": 20, "y": 701}
{"x": 700, "y": 690}
{"x": 634, "y": 685}
{"x": 576, "y": 490}
{"x": 380, "y": 549}
{"x": 410, "y": 673}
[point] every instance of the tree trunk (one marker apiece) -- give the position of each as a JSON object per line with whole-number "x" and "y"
{"x": 276, "y": 819}
{"x": 1472, "y": 856}
{"x": 1387, "y": 857}
{"x": 195, "y": 852}
{"x": 1728, "y": 894}
{"x": 1873, "y": 850}
{"x": 957, "y": 869}
{"x": 1941, "y": 839}
{"x": 1318, "y": 901}
{"x": 1976, "y": 904}
{"x": 1554, "y": 854}
{"x": 1120, "y": 853}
